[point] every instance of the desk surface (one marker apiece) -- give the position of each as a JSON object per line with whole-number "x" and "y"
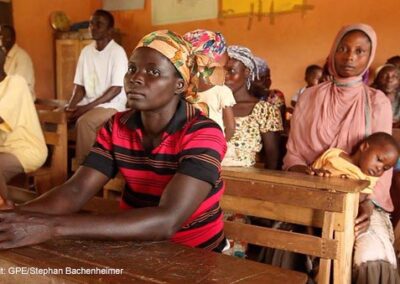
{"x": 295, "y": 179}
{"x": 142, "y": 262}
{"x": 148, "y": 262}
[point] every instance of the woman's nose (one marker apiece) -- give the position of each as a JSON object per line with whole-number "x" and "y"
{"x": 350, "y": 56}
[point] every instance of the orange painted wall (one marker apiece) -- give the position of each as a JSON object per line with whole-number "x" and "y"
{"x": 293, "y": 41}
{"x": 289, "y": 45}
{"x": 34, "y": 34}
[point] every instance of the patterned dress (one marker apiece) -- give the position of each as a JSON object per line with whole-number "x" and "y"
{"x": 247, "y": 140}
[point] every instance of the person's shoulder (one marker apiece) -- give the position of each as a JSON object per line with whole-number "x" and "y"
{"x": 333, "y": 152}
{"x": 123, "y": 116}
{"x": 223, "y": 88}
{"x": 198, "y": 122}
{"x": 16, "y": 79}
{"x": 378, "y": 97}
{"x": 20, "y": 52}
{"x": 315, "y": 93}
{"x": 91, "y": 47}
{"x": 263, "y": 104}
{"x": 116, "y": 48}
{"x": 17, "y": 84}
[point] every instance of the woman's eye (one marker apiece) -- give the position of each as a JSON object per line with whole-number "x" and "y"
{"x": 131, "y": 69}
{"x": 341, "y": 49}
{"x": 360, "y": 51}
{"x": 154, "y": 72}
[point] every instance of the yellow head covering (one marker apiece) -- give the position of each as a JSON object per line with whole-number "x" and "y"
{"x": 172, "y": 46}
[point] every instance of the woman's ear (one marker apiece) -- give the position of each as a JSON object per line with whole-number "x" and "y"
{"x": 247, "y": 72}
{"x": 180, "y": 86}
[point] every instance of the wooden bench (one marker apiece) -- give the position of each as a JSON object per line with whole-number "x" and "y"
{"x": 54, "y": 125}
{"x": 327, "y": 203}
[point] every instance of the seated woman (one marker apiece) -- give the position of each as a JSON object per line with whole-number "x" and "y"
{"x": 22, "y": 145}
{"x": 388, "y": 81}
{"x": 168, "y": 153}
{"x": 258, "y": 122}
{"x": 261, "y": 87}
{"x": 338, "y": 114}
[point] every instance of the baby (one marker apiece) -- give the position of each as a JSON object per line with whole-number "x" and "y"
{"x": 375, "y": 154}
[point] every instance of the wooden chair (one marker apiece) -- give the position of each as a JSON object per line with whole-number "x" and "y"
{"x": 327, "y": 203}
{"x": 54, "y": 125}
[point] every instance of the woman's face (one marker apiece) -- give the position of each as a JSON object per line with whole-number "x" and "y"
{"x": 388, "y": 80}
{"x": 151, "y": 82}
{"x": 236, "y": 74}
{"x": 352, "y": 54}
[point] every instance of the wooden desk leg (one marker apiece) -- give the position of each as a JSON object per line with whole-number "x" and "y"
{"x": 344, "y": 264}
{"x": 325, "y": 264}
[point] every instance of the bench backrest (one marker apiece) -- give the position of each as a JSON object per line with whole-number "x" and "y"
{"x": 54, "y": 126}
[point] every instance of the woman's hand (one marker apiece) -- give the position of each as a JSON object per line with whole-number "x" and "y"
{"x": 363, "y": 220}
{"x": 310, "y": 171}
{"x": 321, "y": 172}
{"x": 24, "y": 228}
{"x": 301, "y": 169}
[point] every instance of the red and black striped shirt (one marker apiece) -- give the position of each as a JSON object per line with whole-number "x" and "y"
{"x": 192, "y": 145}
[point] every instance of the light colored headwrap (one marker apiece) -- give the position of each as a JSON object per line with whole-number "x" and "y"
{"x": 244, "y": 55}
{"x": 262, "y": 66}
{"x": 172, "y": 46}
{"x": 345, "y": 30}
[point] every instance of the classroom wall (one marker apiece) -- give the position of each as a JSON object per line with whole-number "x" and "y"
{"x": 294, "y": 40}
{"x": 35, "y": 35}
{"x": 291, "y": 43}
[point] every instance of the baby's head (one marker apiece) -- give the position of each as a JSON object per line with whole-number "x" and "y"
{"x": 377, "y": 153}
{"x": 313, "y": 75}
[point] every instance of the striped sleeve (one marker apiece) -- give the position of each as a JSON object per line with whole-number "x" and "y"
{"x": 204, "y": 147}
{"x": 101, "y": 156}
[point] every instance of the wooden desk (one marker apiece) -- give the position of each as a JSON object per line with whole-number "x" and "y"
{"x": 327, "y": 203}
{"x": 139, "y": 262}
{"x": 155, "y": 262}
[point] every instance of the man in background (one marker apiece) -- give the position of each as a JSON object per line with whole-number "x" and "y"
{"x": 98, "y": 85}
{"x": 18, "y": 61}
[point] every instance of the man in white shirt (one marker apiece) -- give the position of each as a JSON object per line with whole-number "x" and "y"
{"x": 18, "y": 61}
{"x": 98, "y": 92}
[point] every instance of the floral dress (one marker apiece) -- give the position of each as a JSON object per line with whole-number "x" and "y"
{"x": 247, "y": 140}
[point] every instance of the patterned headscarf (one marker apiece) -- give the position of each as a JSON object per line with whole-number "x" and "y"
{"x": 172, "y": 46}
{"x": 262, "y": 66}
{"x": 207, "y": 48}
{"x": 206, "y": 42}
{"x": 244, "y": 55}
